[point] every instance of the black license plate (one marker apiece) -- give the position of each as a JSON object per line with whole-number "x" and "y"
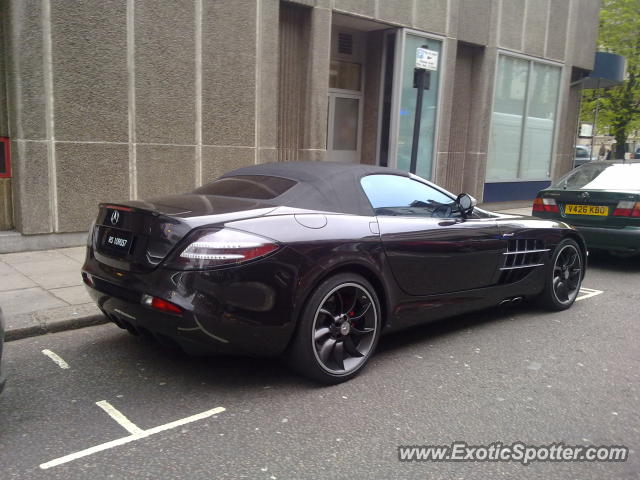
{"x": 117, "y": 241}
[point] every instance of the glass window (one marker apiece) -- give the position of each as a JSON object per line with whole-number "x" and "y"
{"x": 345, "y": 125}
{"x": 396, "y": 195}
{"x": 345, "y": 75}
{"x": 259, "y": 187}
{"x": 408, "y": 109}
{"x": 538, "y": 133}
{"x": 523, "y": 120}
{"x": 508, "y": 114}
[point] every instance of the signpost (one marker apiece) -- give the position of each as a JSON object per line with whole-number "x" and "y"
{"x": 426, "y": 62}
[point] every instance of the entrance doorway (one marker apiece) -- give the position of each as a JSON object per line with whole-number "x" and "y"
{"x": 399, "y": 101}
{"x": 346, "y": 95}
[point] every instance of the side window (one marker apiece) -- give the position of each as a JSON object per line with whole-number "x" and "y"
{"x": 396, "y": 195}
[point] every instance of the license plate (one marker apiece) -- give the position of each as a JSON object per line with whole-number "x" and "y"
{"x": 117, "y": 240}
{"x": 595, "y": 210}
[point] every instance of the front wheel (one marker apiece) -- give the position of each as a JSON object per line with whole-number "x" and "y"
{"x": 338, "y": 330}
{"x": 563, "y": 277}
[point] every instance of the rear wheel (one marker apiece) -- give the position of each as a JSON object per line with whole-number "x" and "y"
{"x": 338, "y": 330}
{"x": 563, "y": 277}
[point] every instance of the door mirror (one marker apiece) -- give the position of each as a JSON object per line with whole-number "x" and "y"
{"x": 466, "y": 203}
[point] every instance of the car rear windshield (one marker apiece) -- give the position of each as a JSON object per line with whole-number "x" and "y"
{"x": 602, "y": 176}
{"x": 259, "y": 187}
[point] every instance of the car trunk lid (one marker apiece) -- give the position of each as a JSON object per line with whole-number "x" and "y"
{"x": 138, "y": 235}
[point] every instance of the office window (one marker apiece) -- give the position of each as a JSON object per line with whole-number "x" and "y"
{"x": 523, "y": 120}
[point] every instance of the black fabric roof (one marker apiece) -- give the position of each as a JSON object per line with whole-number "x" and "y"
{"x": 324, "y": 186}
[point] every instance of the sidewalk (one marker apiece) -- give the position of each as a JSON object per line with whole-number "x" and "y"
{"x": 42, "y": 292}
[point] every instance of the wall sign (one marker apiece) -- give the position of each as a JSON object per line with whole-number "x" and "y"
{"x": 426, "y": 59}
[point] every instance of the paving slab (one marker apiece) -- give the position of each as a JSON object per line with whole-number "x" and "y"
{"x": 72, "y": 295}
{"x": 55, "y": 273}
{"x": 26, "y": 300}
{"x": 15, "y": 281}
{"x": 517, "y": 211}
{"x": 76, "y": 253}
{"x": 5, "y": 268}
{"x": 38, "y": 256}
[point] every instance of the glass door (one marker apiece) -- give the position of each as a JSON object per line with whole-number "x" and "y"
{"x": 344, "y": 133}
{"x": 403, "y": 98}
{"x": 346, "y": 95}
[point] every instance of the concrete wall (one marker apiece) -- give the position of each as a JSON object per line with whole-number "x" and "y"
{"x": 120, "y": 99}
{"x": 117, "y": 99}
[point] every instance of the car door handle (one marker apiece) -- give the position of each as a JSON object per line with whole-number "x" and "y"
{"x": 446, "y": 223}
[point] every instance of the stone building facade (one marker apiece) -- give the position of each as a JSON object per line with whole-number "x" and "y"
{"x": 107, "y": 100}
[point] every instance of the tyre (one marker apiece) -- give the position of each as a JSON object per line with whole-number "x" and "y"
{"x": 563, "y": 276}
{"x": 337, "y": 331}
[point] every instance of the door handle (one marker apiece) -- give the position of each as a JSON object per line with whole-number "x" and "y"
{"x": 446, "y": 223}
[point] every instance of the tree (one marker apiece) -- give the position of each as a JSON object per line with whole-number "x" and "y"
{"x": 619, "y": 106}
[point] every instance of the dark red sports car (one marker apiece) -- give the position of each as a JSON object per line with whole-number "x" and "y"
{"x": 315, "y": 261}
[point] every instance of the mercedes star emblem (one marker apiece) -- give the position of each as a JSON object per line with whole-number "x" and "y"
{"x": 115, "y": 216}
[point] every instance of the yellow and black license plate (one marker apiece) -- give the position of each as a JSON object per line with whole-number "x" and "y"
{"x": 586, "y": 210}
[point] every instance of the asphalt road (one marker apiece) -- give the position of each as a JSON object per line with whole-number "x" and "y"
{"x": 515, "y": 375}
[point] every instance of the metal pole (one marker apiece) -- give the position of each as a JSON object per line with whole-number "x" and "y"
{"x": 416, "y": 123}
{"x": 595, "y": 120}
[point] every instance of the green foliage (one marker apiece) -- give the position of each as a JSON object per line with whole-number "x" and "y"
{"x": 619, "y": 106}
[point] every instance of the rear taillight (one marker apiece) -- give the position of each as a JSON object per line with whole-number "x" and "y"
{"x": 160, "y": 304}
{"x": 627, "y": 209}
{"x": 545, "y": 205}
{"x": 87, "y": 279}
{"x": 215, "y": 248}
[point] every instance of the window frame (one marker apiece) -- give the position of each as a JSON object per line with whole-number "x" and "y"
{"x": 531, "y": 61}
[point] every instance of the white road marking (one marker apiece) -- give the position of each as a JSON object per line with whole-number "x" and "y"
{"x": 130, "y": 438}
{"x": 587, "y": 293}
{"x": 119, "y": 417}
{"x": 56, "y": 358}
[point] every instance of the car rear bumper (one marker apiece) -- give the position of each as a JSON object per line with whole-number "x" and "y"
{"x": 625, "y": 239}
{"x": 244, "y": 310}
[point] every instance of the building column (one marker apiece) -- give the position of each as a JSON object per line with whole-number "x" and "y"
{"x": 27, "y": 99}
{"x": 314, "y": 144}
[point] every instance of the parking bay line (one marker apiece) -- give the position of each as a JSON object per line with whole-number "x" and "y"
{"x": 119, "y": 417}
{"x": 588, "y": 293}
{"x": 131, "y": 438}
{"x": 55, "y": 358}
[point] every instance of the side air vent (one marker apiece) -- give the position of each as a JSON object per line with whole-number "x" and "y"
{"x": 345, "y": 43}
{"x": 521, "y": 257}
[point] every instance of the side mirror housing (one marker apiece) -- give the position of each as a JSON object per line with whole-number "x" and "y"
{"x": 466, "y": 203}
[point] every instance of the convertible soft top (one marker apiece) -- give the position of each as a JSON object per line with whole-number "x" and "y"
{"x": 324, "y": 186}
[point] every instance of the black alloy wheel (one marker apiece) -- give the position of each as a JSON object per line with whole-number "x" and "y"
{"x": 338, "y": 330}
{"x": 564, "y": 280}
